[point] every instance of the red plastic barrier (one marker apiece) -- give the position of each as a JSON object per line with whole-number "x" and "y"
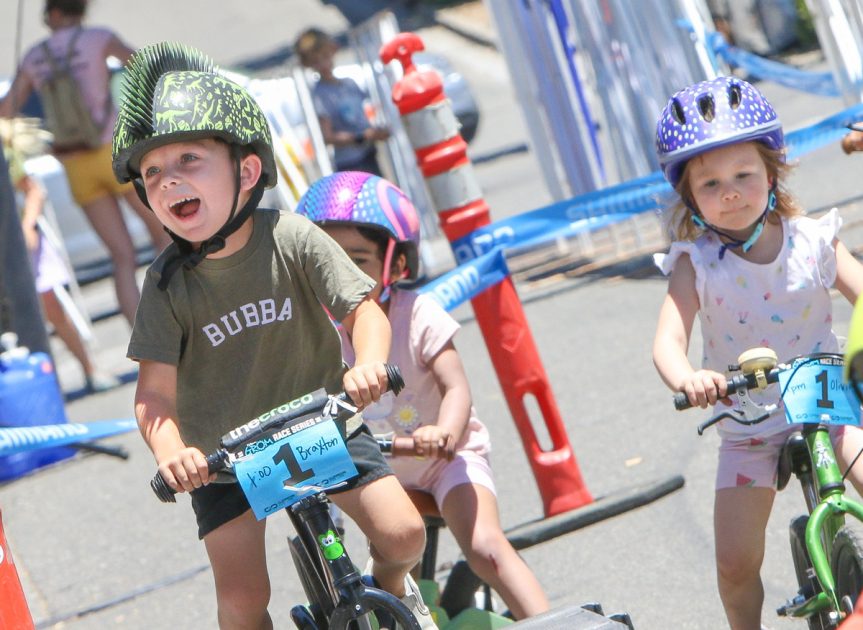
{"x": 442, "y": 156}
{"x": 14, "y": 613}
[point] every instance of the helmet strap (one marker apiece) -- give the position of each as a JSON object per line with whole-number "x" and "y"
{"x": 386, "y": 280}
{"x": 730, "y": 241}
{"x": 188, "y": 257}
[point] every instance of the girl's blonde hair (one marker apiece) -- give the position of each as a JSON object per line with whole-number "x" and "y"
{"x": 24, "y": 136}
{"x": 679, "y": 217}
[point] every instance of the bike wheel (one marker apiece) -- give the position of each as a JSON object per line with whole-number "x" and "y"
{"x": 802, "y": 568}
{"x": 373, "y": 600}
{"x": 847, "y": 563}
{"x": 321, "y": 599}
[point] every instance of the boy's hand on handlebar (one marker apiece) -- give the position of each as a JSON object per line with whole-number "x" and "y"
{"x": 366, "y": 383}
{"x": 705, "y": 387}
{"x": 186, "y": 470}
{"x": 433, "y": 441}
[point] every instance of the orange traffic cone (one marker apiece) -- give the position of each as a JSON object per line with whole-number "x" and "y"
{"x": 14, "y": 613}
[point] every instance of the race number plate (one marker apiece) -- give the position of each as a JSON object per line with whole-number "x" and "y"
{"x": 813, "y": 390}
{"x": 292, "y": 463}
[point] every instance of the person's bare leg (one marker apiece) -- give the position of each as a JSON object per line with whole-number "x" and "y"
{"x": 471, "y": 513}
{"x": 65, "y": 329}
{"x": 740, "y": 518}
{"x": 238, "y": 556}
{"x": 395, "y": 530}
{"x": 107, "y": 220}
{"x": 157, "y": 231}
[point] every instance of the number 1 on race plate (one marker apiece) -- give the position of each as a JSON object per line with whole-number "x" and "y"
{"x": 814, "y": 390}
{"x": 287, "y": 468}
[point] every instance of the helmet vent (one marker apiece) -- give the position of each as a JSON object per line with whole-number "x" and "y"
{"x": 707, "y": 107}
{"x": 677, "y": 112}
{"x": 734, "y": 96}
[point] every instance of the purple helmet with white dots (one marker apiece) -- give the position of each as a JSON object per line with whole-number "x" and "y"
{"x": 711, "y": 114}
{"x": 363, "y": 199}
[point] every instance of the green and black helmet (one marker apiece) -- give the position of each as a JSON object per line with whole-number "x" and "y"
{"x": 172, "y": 93}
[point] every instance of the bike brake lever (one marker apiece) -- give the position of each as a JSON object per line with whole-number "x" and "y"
{"x": 733, "y": 414}
{"x": 738, "y": 416}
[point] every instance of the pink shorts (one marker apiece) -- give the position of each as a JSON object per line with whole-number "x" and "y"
{"x": 752, "y": 462}
{"x": 439, "y": 477}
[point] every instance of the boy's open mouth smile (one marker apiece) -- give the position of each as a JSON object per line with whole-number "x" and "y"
{"x": 185, "y": 207}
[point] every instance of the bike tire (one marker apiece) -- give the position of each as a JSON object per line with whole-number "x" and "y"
{"x": 321, "y": 599}
{"x": 802, "y": 568}
{"x": 371, "y": 600}
{"x": 846, "y": 561}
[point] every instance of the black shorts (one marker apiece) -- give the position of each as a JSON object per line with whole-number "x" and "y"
{"x": 218, "y": 503}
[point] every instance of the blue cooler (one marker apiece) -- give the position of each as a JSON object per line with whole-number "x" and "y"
{"x": 29, "y": 396}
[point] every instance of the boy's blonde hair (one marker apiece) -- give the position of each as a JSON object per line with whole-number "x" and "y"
{"x": 312, "y": 41}
{"x": 679, "y": 217}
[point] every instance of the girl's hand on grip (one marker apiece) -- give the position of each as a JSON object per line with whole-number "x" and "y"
{"x": 705, "y": 387}
{"x": 434, "y": 441}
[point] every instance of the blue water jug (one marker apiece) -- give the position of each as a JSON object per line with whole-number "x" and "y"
{"x": 29, "y": 396}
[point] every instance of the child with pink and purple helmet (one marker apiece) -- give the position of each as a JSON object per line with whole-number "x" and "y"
{"x": 757, "y": 273}
{"x": 378, "y": 226}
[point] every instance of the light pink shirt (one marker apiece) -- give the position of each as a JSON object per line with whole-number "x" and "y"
{"x": 421, "y": 329}
{"x": 88, "y": 67}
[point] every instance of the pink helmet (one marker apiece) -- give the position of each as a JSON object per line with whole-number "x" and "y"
{"x": 366, "y": 200}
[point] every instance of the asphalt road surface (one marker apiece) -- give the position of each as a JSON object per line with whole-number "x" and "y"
{"x": 95, "y": 549}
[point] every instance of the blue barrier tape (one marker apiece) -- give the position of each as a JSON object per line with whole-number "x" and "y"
{"x": 468, "y": 280}
{"x": 821, "y": 83}
{"x": 30, "y": 438}
{"x": 590, "y": 211}
{"x": 828, "y": 131}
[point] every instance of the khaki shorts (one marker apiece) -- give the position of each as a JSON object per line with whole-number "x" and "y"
{"x": 90, "y": 175}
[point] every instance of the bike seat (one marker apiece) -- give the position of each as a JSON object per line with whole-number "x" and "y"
{"x": 426, "y": 506}
{"x": 792, "y": 456}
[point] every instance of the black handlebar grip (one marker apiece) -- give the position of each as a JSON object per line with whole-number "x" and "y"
{"x": 165, "y": 493}
{"x": 394, "y": 376}
{"x": 681, "y": 401}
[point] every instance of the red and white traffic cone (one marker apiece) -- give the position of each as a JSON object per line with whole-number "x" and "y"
{"x": 442, "y": 157}
{"x": 14, "y": 613}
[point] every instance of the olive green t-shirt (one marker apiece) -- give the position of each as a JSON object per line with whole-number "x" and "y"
{"x": 249, "y": 332}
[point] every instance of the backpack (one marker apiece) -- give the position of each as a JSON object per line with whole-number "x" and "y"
{"x": 66, "y": 113}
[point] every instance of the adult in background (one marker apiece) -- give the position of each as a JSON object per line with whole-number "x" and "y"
{"x": 341, "y": 107}
{"x": 86, "y": 50}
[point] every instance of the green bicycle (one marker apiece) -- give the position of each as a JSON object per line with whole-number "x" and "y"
{"x": 827, "y": 551}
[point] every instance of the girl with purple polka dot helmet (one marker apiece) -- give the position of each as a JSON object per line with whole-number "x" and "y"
{"x": 370, "y": 202}
{"x": 710, "y": 115}
{"x": 756, "y": 273}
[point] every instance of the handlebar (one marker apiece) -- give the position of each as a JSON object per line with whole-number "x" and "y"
{"x": 759, "y": 368}
{"x": 313, "y": 402}
{"x": 739, "y": 382}
{"x": 401, "y": 446}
